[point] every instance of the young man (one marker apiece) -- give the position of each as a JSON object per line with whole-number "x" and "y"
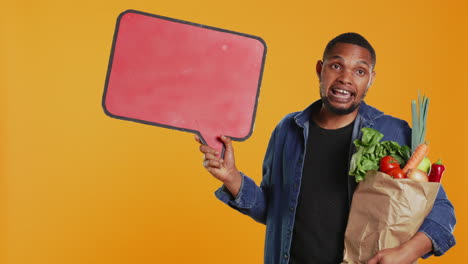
{"x": 305, "y": 195}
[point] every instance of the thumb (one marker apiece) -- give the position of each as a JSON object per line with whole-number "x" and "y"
{"x": 227, "y": 143}
{"x": 229, "y": 151}
{"x": 374, "y": 260}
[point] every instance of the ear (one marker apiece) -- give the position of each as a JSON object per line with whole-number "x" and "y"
{"x": 372, "y": 78}
{"x": 318, "y": 68}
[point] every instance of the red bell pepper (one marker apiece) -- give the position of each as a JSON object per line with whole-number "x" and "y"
{"x": 437, "y": 169}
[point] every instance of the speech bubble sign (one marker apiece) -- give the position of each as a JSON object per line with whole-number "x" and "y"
{"x": 184, "y": 76}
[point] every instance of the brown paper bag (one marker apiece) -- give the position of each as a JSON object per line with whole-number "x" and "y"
{"x": 385, "y": 212}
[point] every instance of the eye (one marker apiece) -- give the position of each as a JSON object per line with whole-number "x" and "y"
{"x": 361, "y": 72}
{"x": 336, "y": 66}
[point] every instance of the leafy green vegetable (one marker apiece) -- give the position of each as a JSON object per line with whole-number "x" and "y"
{"x": 369, "y": 151}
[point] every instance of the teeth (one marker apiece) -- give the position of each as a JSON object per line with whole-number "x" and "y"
{"x": 342, "y": 91}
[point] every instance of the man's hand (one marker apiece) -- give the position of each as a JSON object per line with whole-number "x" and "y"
{"x": 223, "y": 169}
{"x": 392, "y": 256}
{"x": 406, "y": 253}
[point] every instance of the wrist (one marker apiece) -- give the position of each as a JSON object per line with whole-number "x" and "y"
{"x": 408, "y": 252}
{"x": 417, "y": 246}
{"x": 233, "y": 184}
{"x": 233, "y": 178}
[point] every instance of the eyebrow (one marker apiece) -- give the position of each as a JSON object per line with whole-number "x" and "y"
{"x": 364, "y": 62}
{"x": 341, "y": 58}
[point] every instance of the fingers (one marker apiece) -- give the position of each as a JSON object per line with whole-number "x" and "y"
{"x": 216, "y": 172}
{"x": 209, "y": 156}
{"x": 210, "y": 160}
{"x": 209, "y": 163}
{"x": 205, "y": 149}
{"x": 214, "y": 157}
{"x": 208, "y": 150}
{"x": 198, "y": 139}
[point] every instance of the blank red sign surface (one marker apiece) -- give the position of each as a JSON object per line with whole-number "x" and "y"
{"x": 184, "y": 76}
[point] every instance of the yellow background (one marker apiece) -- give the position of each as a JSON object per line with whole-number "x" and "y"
{"x": 79, "y": 187}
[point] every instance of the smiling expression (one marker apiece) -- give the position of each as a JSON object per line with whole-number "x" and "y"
{"x": 345, "y": 76}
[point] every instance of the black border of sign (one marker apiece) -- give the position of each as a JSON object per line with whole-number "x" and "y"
{"x": 109, "y": 69}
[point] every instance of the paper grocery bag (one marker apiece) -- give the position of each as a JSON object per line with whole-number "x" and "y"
{"x": 385, "y": 212}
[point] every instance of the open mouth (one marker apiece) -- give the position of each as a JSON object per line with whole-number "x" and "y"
{"x": 341, "y": 95}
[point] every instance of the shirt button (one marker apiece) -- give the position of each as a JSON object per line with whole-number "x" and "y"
{"x": 291, "y": 209}
{"x": 289, "y": 232}
{"x": 285, "y": 256}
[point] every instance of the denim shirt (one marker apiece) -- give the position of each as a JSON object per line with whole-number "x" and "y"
{"x": 274, "y": 202}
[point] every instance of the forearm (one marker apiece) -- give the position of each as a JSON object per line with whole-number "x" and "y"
{"x": 417, "y": 246}
{"x": 406, "y": 253}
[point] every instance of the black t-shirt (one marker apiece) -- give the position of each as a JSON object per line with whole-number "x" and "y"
{"x": 323, "y": 206}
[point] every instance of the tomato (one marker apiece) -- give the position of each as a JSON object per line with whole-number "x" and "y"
{"x": 396, "y": 173}
{"x": 387, "y": 163}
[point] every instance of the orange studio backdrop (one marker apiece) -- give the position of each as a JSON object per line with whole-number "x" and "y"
{"x": 79, "y": 187}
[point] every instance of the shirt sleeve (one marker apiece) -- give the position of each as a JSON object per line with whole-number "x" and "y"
{"x": 439, "y": 225}
{"x": 252, "y": 200}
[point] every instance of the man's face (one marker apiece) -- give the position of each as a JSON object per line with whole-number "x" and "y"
{"x": 345, "y": 75}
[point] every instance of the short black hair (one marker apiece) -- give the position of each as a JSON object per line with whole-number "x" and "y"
{"x": 351, "y": 38}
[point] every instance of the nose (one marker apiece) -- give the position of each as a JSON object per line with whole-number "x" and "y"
{"x": 345, "y": 77}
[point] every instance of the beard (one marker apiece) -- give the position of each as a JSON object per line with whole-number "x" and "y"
{"x": 339, "y": 111}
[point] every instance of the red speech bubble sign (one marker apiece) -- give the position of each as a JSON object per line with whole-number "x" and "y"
{"x": 185, "y": 76}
